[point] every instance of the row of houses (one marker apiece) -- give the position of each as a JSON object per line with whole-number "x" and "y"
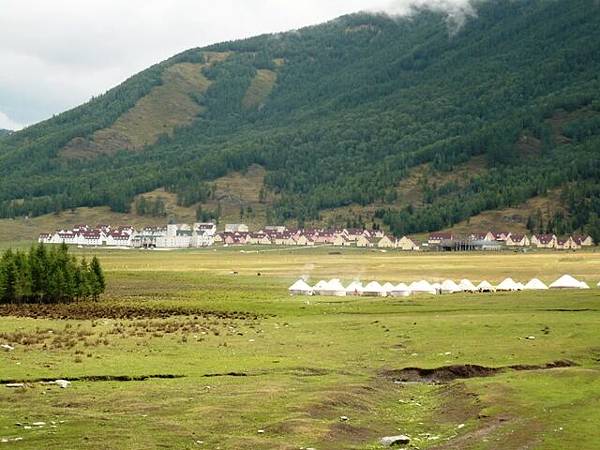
{"x": 196, "y": 235}
{"x": 199, "y": 235}
{"x": 84, "y": 235}
{"x": 498, "y": 240}
{"x": 312, "y": 237}
{"x": 235, "y": 235}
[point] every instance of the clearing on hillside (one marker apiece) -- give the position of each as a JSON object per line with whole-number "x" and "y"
{"x": 259, "y": 89}
{"x": 165, "y": 108}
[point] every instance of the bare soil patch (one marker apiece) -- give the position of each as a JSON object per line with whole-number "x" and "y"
{"x": 97, "y": 378}
{"x": 464, "y": 371}
{"x": 90, "y": 311}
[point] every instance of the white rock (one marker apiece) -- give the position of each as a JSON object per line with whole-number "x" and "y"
{"x": 15, "y": 385}
{"x": 390, "y": 441}
{"x": 7, "y": 347}
{"x": 38, "y": 424}
{"x": 344, "y": 418}
{"x": 63, "y": 383}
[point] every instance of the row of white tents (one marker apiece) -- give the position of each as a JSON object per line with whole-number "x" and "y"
{"x": 374, "y": 289}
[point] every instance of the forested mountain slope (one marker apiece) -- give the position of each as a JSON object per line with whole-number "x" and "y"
{"x": 339, "y": 114}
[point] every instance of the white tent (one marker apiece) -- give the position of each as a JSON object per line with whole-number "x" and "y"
{"x": 300, "y": 288}
{"x": 598, "y": 284}
{"x": 437, "y": 286}
{"x": 507, "y": 285}
{"x": 354, "y": 288}
{"x": 422, "y": 287}
{"x": 535, "y": 285}
{"x": 466, "y": 286}
{"x": 485, "y": 286}
{"x": 520, "y": 286}
{"x": 374, "y": 289}
{"x": 450, "y": 287}
{"x": 566, "y": 282}
{"x": 334, "y": 288}
{"x": 400, "y": 290}
{"x": 388, "y": 288}
{"x": 584, "y": 285}
{"x": 319, "y": 287}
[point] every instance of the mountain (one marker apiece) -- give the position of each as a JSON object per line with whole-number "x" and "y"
{"x": 4, "y": 133}
{"x": 356, "y": 114}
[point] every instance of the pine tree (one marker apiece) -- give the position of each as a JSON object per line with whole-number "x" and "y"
{"x": 98, "y": 281}
{"x": 23, "y": 276}
{"x": 85, "y": 289}
{"x": 9, "y": 283}
{"x": 530, "y": 224}
{"x": 8, "y": 278}
{"x": 593, "y": 227}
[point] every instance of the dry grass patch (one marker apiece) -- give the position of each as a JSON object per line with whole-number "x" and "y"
{"x": 260, "y": 89}
{"x": 165, "y": 108}
{"x": 239, "y": 190}
{"x": 410, "y": 190}
{"x": 513, "y": 219}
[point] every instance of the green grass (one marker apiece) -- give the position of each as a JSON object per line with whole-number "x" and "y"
{"x": 308, "y": 361}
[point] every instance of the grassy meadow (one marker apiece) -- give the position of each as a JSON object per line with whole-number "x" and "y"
{"x": 193, "y": 349}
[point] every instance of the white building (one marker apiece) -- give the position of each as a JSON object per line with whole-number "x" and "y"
{"x": 236, "y": 228}
{"x": 209, "y": 228}
{"x": 186, "y": 236}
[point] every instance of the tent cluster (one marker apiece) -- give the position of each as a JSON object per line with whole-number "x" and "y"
{"x": 335, "y": 287}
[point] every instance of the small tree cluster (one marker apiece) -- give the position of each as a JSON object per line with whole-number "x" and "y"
{"x": 45, "y": 275}
{"x": 151, "y": 207}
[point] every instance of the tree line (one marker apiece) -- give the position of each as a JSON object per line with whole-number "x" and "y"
{"x": 49, "y": 275}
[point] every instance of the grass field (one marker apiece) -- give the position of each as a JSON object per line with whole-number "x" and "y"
{"x": 183, "y": 353}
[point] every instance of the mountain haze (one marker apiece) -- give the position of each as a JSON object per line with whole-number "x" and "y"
{"x": 344, "y": 114}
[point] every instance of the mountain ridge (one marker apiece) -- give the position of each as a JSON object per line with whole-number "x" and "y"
{"x": 340, "y": 113}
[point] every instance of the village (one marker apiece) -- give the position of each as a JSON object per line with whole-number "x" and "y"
{"x": 199, "y": 235}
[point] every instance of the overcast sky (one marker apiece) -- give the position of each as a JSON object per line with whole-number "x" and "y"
{"x": 56, "y": 54}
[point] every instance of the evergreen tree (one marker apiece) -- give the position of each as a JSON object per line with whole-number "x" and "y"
{"x": 8, "y": 278}
{"x": 86, "y": 280}
{"x": 593, "y": 228}
{"x": 98, "y": 281}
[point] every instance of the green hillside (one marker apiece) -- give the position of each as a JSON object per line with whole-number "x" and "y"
{"x": 341, "y": 114}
